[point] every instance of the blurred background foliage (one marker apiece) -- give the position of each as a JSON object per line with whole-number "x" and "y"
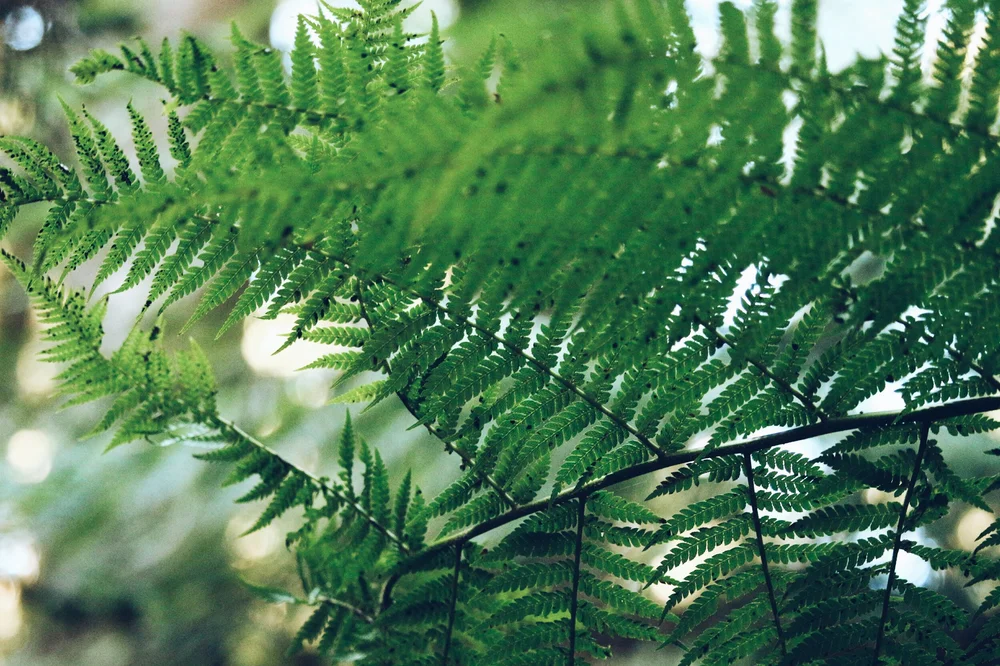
{"x": 134, "y": 557}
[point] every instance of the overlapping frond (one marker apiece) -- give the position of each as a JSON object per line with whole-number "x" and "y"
{"x": 625, "y": 260}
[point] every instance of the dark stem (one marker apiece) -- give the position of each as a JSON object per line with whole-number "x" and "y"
{"x": 748, "y": 463}
{"x": 235, "y": 434}
{"x": 451, "y": 448}
{"x": 983, "y": 373}
{"x": 514, "y": 349}
{"x": 414, "y": 412}
{"x": 348, "y": 607}
{"x": 900, "y": 526}
{"x": 387, "y": 591}
{"x": 978, "y": 369}
{"x": 763, "y": 369}
{"x": 574, "y": 601}
{"x": 842, "y": 424}
{"x": 454, "y": 604}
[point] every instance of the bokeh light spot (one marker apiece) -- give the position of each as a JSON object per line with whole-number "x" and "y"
{"x": 23, "y": 29}
{"x": 261, "y": 337}
{"x": 30, "y": 454}
{"x": 19, "y": 559}
{"x": 36, "y": 380}
{"x": 972, "y": 523}
{"x": 10, "y": 609}
{"x": 254, "y": 546}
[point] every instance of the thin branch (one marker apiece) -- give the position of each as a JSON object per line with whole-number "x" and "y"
{"x": 574, "y": 602}
{"x": 986, "y": 375}
{"x": 983, "y": 373}
{"x": 236, "y": 433}
{"x": 781, "y": 383}
{"x": 414, "y": 412}
{"x": 514, "y": 349}
{"x": 454, "y": 604}
{"x": 387, "y": 589}
{"x": 865, "y": 94}
{"x": 842, "y": 424}
{"x": 315, "y": 116}
{"x": 925, "y": 427}
{"x": 451, "y": 448}
{"x": 348, "y": 607}
{"x": 748, "y": 464}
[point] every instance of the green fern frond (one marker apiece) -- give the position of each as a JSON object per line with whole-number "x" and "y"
{"x": 434, "y": 57}
{"x": 631, "y": 260}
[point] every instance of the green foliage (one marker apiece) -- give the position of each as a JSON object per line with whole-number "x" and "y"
{"x": 625, "y": 251}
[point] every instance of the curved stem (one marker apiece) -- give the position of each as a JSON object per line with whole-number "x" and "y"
{"x": 412, "y": 409}
{"x": 862, "y": 93}
{"x": 843, "y": 424}
{"x": 983, "y": 373}
{"x": 748, "y": 466}
{"x": 574, "y": 603}
{"x": 368, "y": 619}
{"x": 555, "y": 376}
{"x": 236, "y": 433}
{"x": 451, "y": 448}
{"x": 897, "y": 542}
{"x": 454, "y": 604}
{"x": 763, "y": 369}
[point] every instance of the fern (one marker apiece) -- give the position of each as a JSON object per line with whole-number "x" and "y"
{"x": 570, "y": 283}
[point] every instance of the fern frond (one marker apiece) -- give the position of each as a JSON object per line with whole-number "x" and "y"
{"x": 630, "y": 261}
{"x": 434, "y": 58}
